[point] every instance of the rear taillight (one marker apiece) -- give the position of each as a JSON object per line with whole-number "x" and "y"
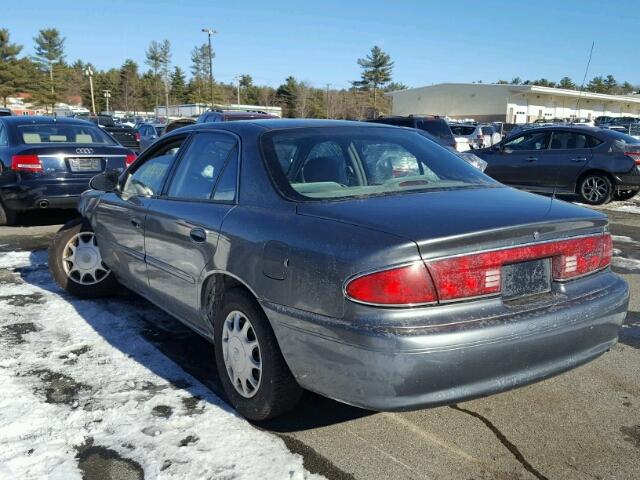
{"x": 407, "y": 285}
{"x": 137, "y": 136}
{"x": 131, "y": 157}
{"x": 473, "y": 275}
{"x": 635, "y": 156}
{"x": 26, "y": 163}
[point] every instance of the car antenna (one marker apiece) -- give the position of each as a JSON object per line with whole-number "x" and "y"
{"x": 586, "y": 70}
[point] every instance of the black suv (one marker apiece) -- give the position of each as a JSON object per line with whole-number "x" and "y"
{"x": 433, "y": 125}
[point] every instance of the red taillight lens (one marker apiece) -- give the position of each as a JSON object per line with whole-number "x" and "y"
{"x": 399, "y": 286}
{"x": 131, "y": 157}
{"x": 479, "y": 274}
{"x": 26, "y": 163}
{"x": 635, "y": 156}
{"x": 137, "y": 136}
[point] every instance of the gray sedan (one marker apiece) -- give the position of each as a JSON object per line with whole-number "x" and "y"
{"x": 312, "y": 257}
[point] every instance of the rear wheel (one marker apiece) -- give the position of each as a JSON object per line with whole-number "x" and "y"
{"x": 625, "y": 194}
{"x": 595, "y": 189}
{"x": 255, "y": 377}
{"x": 7, "y": 216}
{"x": 76, "y": 263}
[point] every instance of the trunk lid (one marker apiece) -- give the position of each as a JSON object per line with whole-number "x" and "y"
{"x": 455, "y": 221}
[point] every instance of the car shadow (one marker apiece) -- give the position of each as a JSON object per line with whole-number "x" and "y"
{"x": 190, "y": 351}
{"x": 47, "y": 216}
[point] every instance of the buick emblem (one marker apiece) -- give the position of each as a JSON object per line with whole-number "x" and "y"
{"x": 536, "y": 235}
{"x": 85, "y": 151}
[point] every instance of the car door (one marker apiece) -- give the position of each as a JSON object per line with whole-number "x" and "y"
{"x": 569, "y": 152}
{"x": 119, "y": 218}
{"x": 512, "y": 161}
{"x": 183, "y": 224}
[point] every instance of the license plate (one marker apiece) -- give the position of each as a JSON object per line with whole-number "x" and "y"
{"x": 85, "y": 164}
{"x": 526, "y": 278}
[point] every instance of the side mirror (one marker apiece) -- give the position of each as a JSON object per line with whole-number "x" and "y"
{"x": 106, "y": 181}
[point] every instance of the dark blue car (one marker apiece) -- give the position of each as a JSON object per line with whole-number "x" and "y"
{"x": 597, "y": 164}
{"x": 48, "y": 162}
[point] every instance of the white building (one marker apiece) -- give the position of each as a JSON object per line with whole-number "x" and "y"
{"x": 510, "y": 103}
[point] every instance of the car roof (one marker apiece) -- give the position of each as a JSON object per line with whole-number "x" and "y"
{"x": 42, "y": 120}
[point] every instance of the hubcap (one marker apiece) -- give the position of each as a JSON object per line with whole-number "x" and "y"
{"x": 241, "y": 354}
{"x": 594, "y": 189}
{"x": 81, "y": 259}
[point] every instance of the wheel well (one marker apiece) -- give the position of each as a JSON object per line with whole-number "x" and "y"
{"x": 591, "y": 172}
{"x": 213, "y": 291}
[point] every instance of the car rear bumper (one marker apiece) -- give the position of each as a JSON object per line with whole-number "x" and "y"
{"x": 426, "y": 363}
{"x": 629, "y": 181}
{"x": 34, "y": 194}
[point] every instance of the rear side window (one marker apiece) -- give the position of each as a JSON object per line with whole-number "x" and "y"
{"x": 572, "y": 140}
{"x": 3, "y": 135}
{"x": 201, "y": 165}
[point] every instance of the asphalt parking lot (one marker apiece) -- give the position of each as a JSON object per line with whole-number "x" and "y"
{"x": 583, "y": 424}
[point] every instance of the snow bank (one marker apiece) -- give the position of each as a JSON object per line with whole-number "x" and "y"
{"x": 75, "y": 372}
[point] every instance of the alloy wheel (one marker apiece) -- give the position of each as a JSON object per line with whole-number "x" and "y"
{"x": 241, "y": 354}
{"x": 594, "y": 189}
{"x": 82, "y": 261}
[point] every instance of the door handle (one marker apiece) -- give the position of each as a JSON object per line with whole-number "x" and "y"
{"x": 532, "y": 159}
{"x": 579, "y": 159}
{"x": 136, "y": 222}
{"x": 198, "y": 235}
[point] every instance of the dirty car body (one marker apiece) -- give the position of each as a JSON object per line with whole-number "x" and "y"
{"x": 385, "y": 292}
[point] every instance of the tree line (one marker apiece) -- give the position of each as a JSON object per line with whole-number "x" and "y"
{"x": 49, "y": 79}
{"x": 598, "y": 84}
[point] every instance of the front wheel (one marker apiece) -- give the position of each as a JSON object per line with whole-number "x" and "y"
{"x": 625, "y": 194}
{"x": 255, "y": 377}
{"x": 595, "y": 189}
{"x": 76, "y": 263}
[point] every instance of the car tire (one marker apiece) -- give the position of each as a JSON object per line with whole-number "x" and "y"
{"x": 622, "y": 195}
{"x": 595, "y": 189}
{"x": 264, "y": 386}
{"x": 7, "y": 217}
{"x": 83, "y": 277}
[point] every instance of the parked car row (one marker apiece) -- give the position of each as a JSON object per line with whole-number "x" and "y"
{"x": 357, "y": 260}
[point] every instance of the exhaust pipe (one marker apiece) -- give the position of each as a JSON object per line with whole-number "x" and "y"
{"x": 43, "y": 203}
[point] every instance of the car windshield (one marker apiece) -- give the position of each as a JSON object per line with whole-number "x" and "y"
{"x": 63, "y": 133}
{"x": 333, "y": 163}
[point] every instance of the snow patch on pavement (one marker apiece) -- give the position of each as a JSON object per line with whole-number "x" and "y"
{"x": 77, "y": 372}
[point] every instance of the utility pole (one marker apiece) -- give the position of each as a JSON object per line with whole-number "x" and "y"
{"x": 210, "y": 32}
{"x": 328, "y": 85}
{"x": 237, "y": 79}
{"x": 89, "y": 73}
{"x": 107, "y": 95}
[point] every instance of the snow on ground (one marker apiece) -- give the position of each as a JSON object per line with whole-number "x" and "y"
{"x": 77, "y": 374}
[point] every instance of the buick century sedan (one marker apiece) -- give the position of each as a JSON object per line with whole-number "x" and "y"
{"x": 311, "y": 261}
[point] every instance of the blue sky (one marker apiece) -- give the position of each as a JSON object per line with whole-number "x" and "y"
{"x": 430, "y": 42}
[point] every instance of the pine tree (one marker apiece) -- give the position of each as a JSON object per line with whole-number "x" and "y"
{"x": 128, "y": 87}
{"x": 287, "y": 95}
{"x": 597, "y": 85}
{"x": 178, "y": 85}
{"x": 566, "y": 82}
{"x": 49, "y": 53}
{"x": 12, "y": 78}
{"x": 376, "y": 71}
{"x": 200, "y": 73}
{"x": 154, "y": 60}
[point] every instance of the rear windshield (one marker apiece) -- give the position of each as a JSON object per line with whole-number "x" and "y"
{"x": 333, "y": 163}
{"x": 61, "y": 133}
{"x": 621, "y": 139}
{"x": 462, "y": 129}
{"x": 437, "y": 128}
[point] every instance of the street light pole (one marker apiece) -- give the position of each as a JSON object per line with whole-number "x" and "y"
{"x": 89, "y": 73}
{"x": 237, "y": 79}
{"x": 107, "y": 95}
{"x": 210, "y": 32}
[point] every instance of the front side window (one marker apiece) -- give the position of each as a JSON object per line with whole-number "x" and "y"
{"x": 147, "y": 179}
{"x": 333, "y": 163}
{"x": 529, "y": 141}
{"x": 201, "y": 165}
{"x": 63, "y": 133}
